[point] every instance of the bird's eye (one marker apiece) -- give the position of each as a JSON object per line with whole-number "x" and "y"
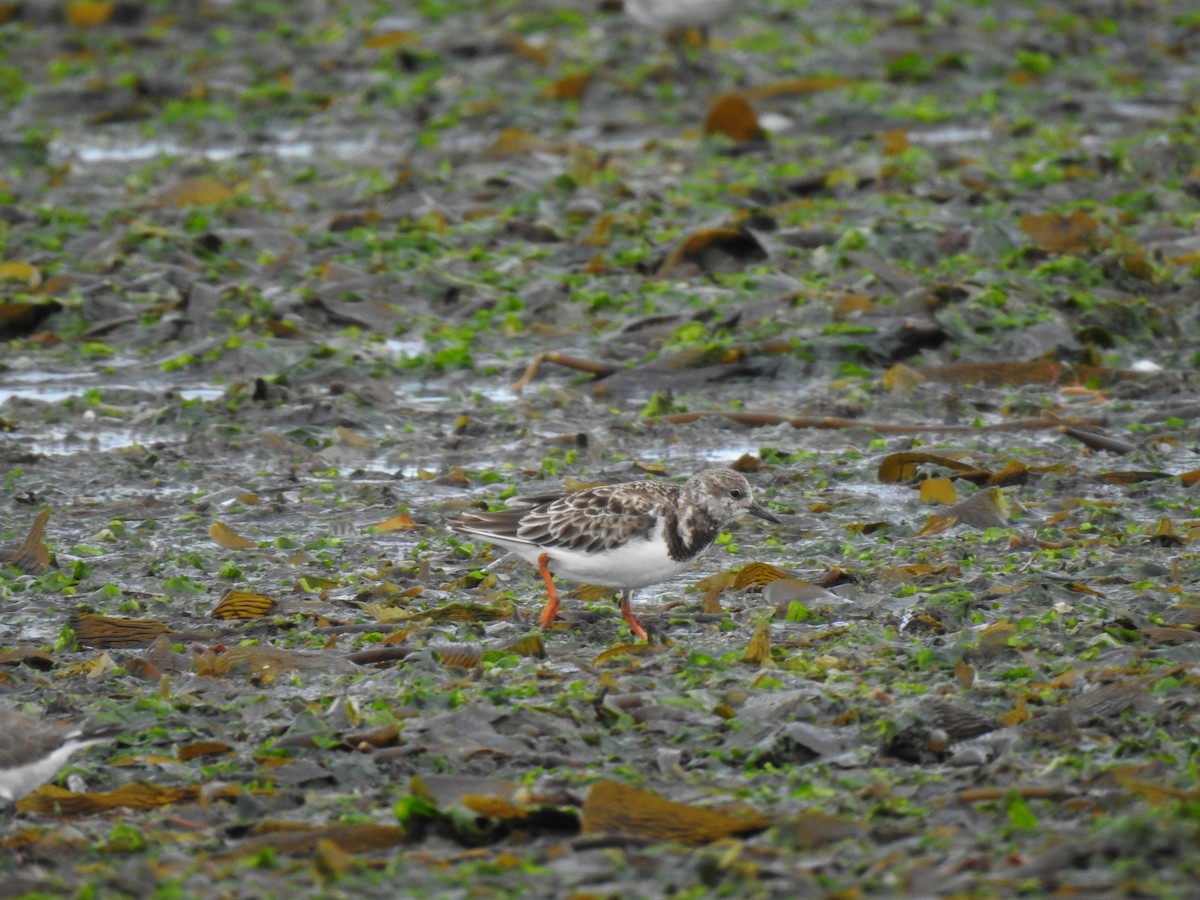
{"x": 736, "y": 494}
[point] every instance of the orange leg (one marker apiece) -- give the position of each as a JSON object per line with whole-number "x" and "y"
{"x": 627, "y": 614}
{"x": 550, "y": 610}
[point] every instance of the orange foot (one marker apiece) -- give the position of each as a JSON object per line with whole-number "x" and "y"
{"x": 550, "y": 610}
{"x": 627, "y": 613}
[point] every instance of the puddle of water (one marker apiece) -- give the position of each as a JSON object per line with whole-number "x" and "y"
{"x": 55, "y": 387}
{"x": 132, "y": 147}
{"x": 496, "y": 393}
{"x": 943, "y": 136}
{"x": 201, "y": 393}
{"x": 69, "y": 442}
{"x": 721, "y": 455}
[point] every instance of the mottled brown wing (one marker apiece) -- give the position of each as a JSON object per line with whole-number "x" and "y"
{"x": 595, "y": 520}
{"x": 504, "y": 523}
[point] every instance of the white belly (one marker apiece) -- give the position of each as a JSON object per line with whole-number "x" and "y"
{"x": 631, "y": 565}
{"x": 662, "y": 15}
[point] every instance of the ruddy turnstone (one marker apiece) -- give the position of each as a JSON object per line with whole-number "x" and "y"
{"x": 625, "y": 535}
{"x": 32, "y": 751}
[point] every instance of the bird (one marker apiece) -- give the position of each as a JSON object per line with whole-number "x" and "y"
{"x": 626, "y": 535}
{"x": 32, "y": 751}
{"x": 673, "y": 16}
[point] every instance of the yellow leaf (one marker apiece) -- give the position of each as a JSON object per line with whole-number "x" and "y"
{"x": 894, "y": 142}
{"x": 568, "y": 87}
{"x": 757, "y": 574}
{"x": 202, "y": 191}
{"x": 511, "y": 142}
{"x": 617, "y": 809}
{"x": 92, "y": 630}
{"x": 386, "y": 40}
{"x": 20, "y": 271}
{"x": 898, "y": 467}
{"x": 936, "y": 525}
{"x": 798, "y": 87}
{"x": 535, "y": 53}
{"x": 1053, "y": 233}
{"x": 96, "y": 667}
{"x": 51, "y": 800}
{"x": 964, "y": 674}
{"x": 758, "y": 650}
{"x": 353, "y": 438}
{"x": 402, "y": 522}
{"x": 88, "y": 13}
{"x": 243, "y": 605}
{"x": 33, "y": 556}
{"x": 227, "y": 538}
{"x": 996, "y": 637}
{"x": 901, "y": 378}
{"x": 938, "y": 490}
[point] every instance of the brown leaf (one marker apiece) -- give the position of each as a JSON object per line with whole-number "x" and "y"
{"x": 28, "y": 275}
{"x": 105, "y": 632}
{"x": 388, "y": 40}
{"x": 401, "y": 522}
{"x": 297, "y": 839}
{"x": 709, "y": 248}
{"x": 997, "y": 374}
{"x": 758, "y": 650}
{"x": 539, "y": 54}
{"x": 1014, "y": 472}
{"x": 34, "y": 657}
{"x": 51, "y": 800}
{"x": 901, "y": 467}
{"x": 613, "y": 808}
{"x": 894, "y": 142}
{"x": 618, "y": 651}
{"x": 1130, "y": 477}
{"x": 964, "y": 674}
{"x": 23, "y": 319}
{"x": 200, "y": 191}
{"x": 936, "y": 524}
{"x": 1097, "y": 440}
{"x": 734, "y": 117}
{"x": 243, "y": 605}
{"x": 1165, "y": 535}
{"x": 568, "y": 87}
{"x": 797, "y": 87}
{"x": 757, "y": 574}
{"x": 468, "y": 612}
{"x": 330, "y": 860}
{"x": 89, "y": 13}
{"x": 511, "y": 142}
{"x": 226, "y": 537}
{"x": 530, "y": 645}
{"x": 461, "y": 656}
{"x": 33, "y": 556}
{"x": 1075, "y": 233}
{"x": 445, "y": 791}
{"x": 203, "y": 748}
{"x": 986, "y": 509}
{"x": 813, "y": 830}
{"x": 353, "y": 439}
{"x": 901, "y": 378}
{"x": 996, "y": 637}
